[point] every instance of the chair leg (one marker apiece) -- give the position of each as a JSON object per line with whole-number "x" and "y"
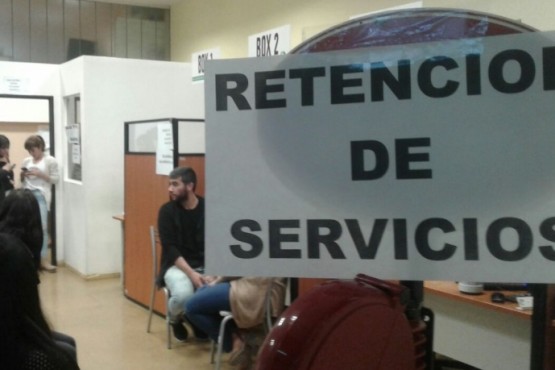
{"x": 151, "y": 306}
{"x": 168, "y": 326}
{"x": 220, "y": 343}
{"x": 212, "y": 351}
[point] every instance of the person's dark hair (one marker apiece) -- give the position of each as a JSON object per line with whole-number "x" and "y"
{"x": 25, "y": 336}
{"x": 186, "y": 174}
{"x": 20, "y": 217}
{"x": 34, "y": 141}
{"x": 4, "y": 142}
{"x": 42, "y": 141}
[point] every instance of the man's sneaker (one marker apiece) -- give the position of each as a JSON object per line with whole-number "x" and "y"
{"x": 179, "y": 331}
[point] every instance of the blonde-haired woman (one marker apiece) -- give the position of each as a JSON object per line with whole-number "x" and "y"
{"x": 38, "y": 173}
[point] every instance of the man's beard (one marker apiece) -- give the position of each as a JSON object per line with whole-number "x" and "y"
{"x": 182, "y": 198}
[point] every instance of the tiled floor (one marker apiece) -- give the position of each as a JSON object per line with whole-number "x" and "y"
{"x": 111, "y": 330}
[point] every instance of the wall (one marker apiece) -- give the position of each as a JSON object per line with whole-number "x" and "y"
{"x": 536, "y": 13}
{"x": 114, "y": 91}
{"x": 74, "y": 223}
{"x": 38, "y": 79}
{"x": 197, "y": 25}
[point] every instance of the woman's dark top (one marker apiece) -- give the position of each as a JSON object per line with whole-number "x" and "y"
{"x": 6, "y": 180}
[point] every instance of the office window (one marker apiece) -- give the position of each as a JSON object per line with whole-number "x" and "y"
{"x": 54, "y": 31}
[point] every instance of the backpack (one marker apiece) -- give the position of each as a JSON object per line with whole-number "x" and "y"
{"x": 358, "y": 324}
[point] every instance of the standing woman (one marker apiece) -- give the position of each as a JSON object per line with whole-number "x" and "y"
{"x": 38, "y": 173}
{"x": 6, "y": 168}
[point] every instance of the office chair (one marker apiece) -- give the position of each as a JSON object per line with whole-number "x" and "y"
{"x": 154, "y": 240}
{"x": 267, "y": 323}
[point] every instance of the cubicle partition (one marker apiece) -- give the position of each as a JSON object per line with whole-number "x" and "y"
{"x": 149, "y": 156}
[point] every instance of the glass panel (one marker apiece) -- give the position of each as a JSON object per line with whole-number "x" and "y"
{"x": 6, "y": 50}
{"x": 163, "y": 40}
{"x": 55, "y": 26}
{"x": 39, "y": 35}
{"x": 143, "y": 136}
{"x": 71, "y": 29}
{"x": 119, "y": 22}
{"x": 103, "y": 29}
{"x": 21, "y": 45}
{"x": 53, "y": 31}
{"x": 191, "y": 137}
{"x": 134, "y": 38}
{"x": 148, "y": 39}
{"x": 88, "y": 28}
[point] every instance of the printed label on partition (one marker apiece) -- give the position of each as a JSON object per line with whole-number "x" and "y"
{"x": 273, "y": 42}
{"x": 198, "y": 61}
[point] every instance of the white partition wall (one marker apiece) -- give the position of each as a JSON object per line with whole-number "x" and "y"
{"x": 112, "y": 91}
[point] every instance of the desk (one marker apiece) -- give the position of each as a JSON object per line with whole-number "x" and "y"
{"x": 472, "y": 329}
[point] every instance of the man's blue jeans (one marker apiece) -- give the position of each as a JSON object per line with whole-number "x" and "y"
{"x": 203, "y": 310}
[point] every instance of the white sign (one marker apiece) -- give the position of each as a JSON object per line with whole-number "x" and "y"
{"x": 76, "y": 153}
{"x": 164, "y": 149}
{"x": 270, "y": 43}
{"x": 14, "y": 85}
{"x": 197, "y": 62}
{"x": 72, "y": 132}
{"x": 422, "y": 162}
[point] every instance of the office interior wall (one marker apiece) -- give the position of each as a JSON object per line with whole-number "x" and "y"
{"x": 198, "y": 25}
{"x": 114, "y": 91}
{"x": 74, "y": 223}
{"x": 535, "y": 13}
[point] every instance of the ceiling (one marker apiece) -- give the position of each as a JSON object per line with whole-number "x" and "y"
{"x": 152, "y": 3}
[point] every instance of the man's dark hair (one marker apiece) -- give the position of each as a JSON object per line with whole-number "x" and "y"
{"x": 186, "y": 174}
{"x": 4, "y": 142}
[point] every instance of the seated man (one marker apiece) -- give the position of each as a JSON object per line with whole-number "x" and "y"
{"x": 181, "y": 231}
